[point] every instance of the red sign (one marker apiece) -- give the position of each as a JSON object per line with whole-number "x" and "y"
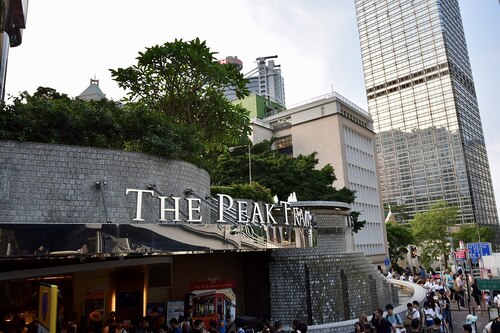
{"x": 460, "y": 254}
{"x": 212, "y": 284}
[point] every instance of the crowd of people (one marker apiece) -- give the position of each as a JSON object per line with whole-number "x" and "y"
{"x": 441, "y": 290}
{"x": 432, "y": 316}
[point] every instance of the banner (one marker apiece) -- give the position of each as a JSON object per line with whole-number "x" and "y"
{"x": 47, "y": 308}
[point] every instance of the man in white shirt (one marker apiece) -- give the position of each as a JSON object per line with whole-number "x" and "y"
{"x": 496, "y": 300}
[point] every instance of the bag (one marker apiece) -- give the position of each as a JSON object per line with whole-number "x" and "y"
{"x": 408, "y": 319}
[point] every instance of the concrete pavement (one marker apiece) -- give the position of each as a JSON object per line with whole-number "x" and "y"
{"x": 458, "y": 318}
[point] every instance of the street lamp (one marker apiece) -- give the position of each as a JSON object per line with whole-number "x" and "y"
{"x": 232, "y": 149}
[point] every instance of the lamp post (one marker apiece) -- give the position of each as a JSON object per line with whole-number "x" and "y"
{"x": 249, "y": 164}
{"x": 249, "y": 146}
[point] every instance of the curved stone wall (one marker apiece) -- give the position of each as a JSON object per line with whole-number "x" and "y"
{"x": 48, "y": 183}
{"x": 327, "y": 288}
{"x": 327, "y": 283}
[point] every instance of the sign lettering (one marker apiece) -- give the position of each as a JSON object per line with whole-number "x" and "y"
{"x": 228, "y": 210}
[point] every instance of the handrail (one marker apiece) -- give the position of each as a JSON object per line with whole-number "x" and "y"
{"x": 321, "y": 97}
{"x": 259, "y": 240}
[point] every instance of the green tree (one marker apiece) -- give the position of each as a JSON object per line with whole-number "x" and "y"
{"x": 400, "y": 212}
{"x": 468, "y": 234}
{"x": 280, "y": 173}
{"x": 183, "y": 81}
{"x": 399, "y": 236}
{"x": 51, "y": 117}
{"x": 431, "y": 229}
{"x": 253, "y": 191}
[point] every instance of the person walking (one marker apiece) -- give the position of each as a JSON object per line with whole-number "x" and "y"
{"x": 379, "y": 323}
{"x": 459, "y": 290}
{"x": 393, "y": 318}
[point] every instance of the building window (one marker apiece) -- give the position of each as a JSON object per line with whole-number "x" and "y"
{"x": 284, "y": 145}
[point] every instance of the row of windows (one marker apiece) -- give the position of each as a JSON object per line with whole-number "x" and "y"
{"x": 409, "y": 77}
{"x": 357, "y": 174}
{"x": 364, "y": 193}
{"x": 283, "y": 142}
{"x": 352, "y": 117}
{"x": 411, "y": 83}
{"x": 281, "y": 123}
{"x": 359, "y": 157}
{"x": 357, "y": 140}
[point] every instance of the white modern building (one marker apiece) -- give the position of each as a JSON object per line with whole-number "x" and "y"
{"x": 342, "y": 135}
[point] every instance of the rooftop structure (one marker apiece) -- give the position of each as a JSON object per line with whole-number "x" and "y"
{"x": 92, "y": 92}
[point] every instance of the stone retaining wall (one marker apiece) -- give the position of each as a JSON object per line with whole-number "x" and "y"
{"x": 328, "y": 283}
{"x": 52, "y": 183}
{"x": 347, "y": 326}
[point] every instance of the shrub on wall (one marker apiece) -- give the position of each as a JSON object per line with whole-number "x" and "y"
{"x": 254, "y": 191}
{"x": 50, "y": 117}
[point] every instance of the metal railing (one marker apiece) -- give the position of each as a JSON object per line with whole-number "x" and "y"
{"x": 322, "y": 97}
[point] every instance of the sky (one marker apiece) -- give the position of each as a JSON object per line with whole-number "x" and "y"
{"x": 66, "y": 43}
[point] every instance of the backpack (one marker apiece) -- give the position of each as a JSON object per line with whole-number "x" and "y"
{"x": 422, "y": 317}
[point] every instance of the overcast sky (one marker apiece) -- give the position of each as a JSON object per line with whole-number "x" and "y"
{"x": 68, "y": 42}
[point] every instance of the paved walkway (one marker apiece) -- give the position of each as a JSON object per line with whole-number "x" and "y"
{"x": 458, "y": 318}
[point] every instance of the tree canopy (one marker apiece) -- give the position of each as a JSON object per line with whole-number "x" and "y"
{"x": 399, "y": 236}
{"x": 468, "y": 234}
{"x": 51, "y": 117}
{"x": 280, "y": 173}
{"x": 183, "y": 81}
{"x": 432, "y": 228}
{"x": 400, "y": 212}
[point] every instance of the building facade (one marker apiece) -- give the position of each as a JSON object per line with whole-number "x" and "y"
{"x": 342, "y": 135}
{"x": 125, "y": 231}
{"x": 264, "y": 80}
{"x": 421, "y": 96}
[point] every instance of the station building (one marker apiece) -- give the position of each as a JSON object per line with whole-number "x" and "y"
{"x": 124, "y": 231}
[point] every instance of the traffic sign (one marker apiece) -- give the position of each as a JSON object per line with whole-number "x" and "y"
{"x": 488, "y": 284}
{"x": 477, "y": 250}
{"x": 387, "y": 262}
{"x": 460, "y": 254}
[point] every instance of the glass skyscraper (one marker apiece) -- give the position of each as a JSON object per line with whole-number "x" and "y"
{"x": 421, "y": 95}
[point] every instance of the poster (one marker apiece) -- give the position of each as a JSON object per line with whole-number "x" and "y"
{"x": 94, "y": 300}
{"x": 174, "y": 309}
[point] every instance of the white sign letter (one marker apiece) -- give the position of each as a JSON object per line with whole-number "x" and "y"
{"x": 139, "y": 202}
{"x": 286, "y": 208}
{"x": 222, "y": 206}
{"x": 175, "y": 209}
{"x": 257, "y": 213}
{"x": 242, "y": 212}
{"x": 192, "y": 209}
{"x": 269, "y": 216}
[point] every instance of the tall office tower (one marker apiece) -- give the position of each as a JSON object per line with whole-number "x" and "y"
{"x": 264, "y": 80}
{"x": 423, "y": 102}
